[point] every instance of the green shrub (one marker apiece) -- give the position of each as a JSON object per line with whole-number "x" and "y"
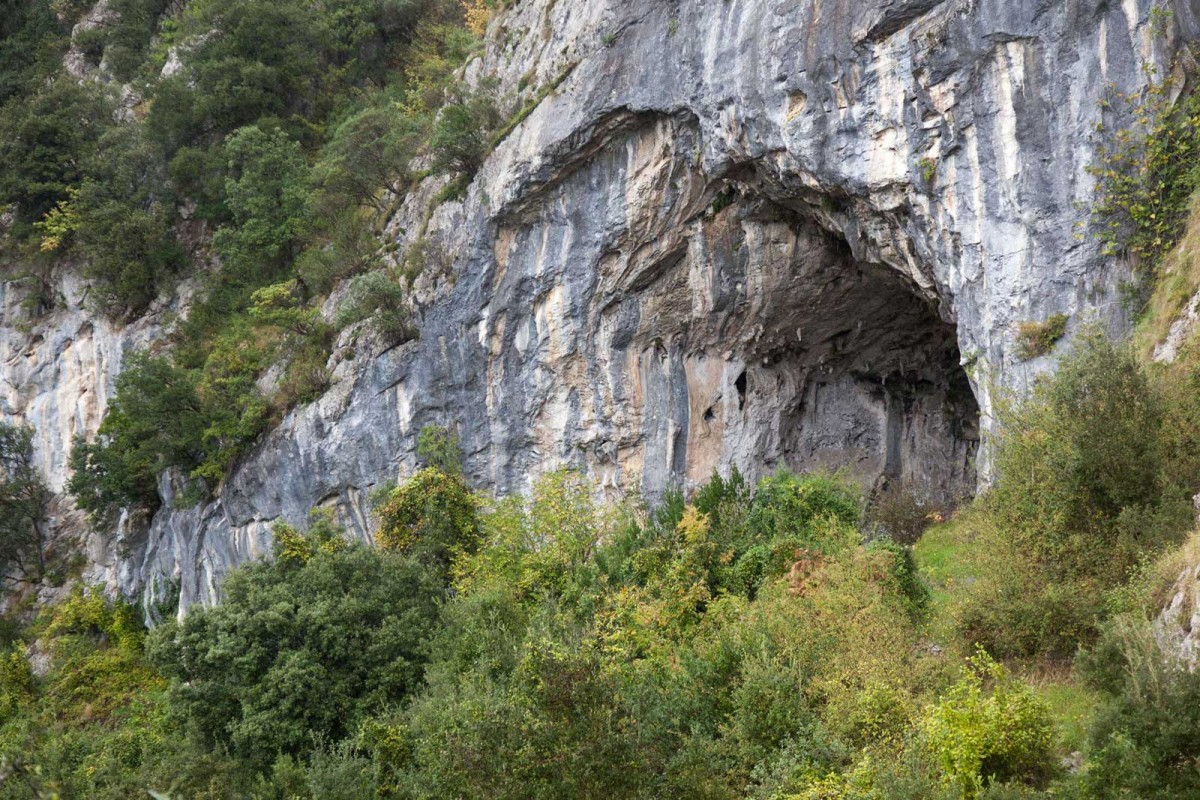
{"x": 33, "y": 40}
{"x": 1038, "y": 338}
{"x": 154, "y": 421}
{"x": 300, "y": 653}
{"x": 432, "y": 516}
{"x": 989, "y": 728}
{"x": 1146, "y": 173}
{"x": 796, "y": 509}
{"x": 127, "y": 40}
{"x": 461, "y": 138}
{"x": 345, "y": 245}
{"x": 1144, "y": 742}
{"x": 368, "y": 156}
{"x": 124, "y": 223}
{"x": 267, "y": 196}
{"x": 377, "y": 297}
{"x": 24, "y": 508}
{"x": 1092, "y": 476}
{"x": 45, "y": 139}
{"x": 438, "y": 447}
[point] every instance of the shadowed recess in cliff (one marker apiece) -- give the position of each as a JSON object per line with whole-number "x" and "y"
{"x": 704, "y": 321}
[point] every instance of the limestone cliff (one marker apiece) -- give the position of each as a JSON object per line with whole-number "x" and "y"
{"x": 732, "y": 232}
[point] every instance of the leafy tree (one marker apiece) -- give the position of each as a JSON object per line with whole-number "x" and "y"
{"x": 1083, "y": 493}
{"x": 235, "y": 76}
{"x": 33, "y": 39}
{"x": 24, "y": 497}
{"x": 45, "y": 139}
{"x": 369, "y": 155}
{"x": 127, "y": 40}
{"x": 154, "y": 421}
{"x": 433, "y": 517}
{"x": 461, "y": 138}
{"x": 267, "y": 197}
{"x": 300, "y": 651}
{"x": 438, "y": 447}
{"x": 124, "y": 216}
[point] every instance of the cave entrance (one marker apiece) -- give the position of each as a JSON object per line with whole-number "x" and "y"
{"x": 836, "y": 362}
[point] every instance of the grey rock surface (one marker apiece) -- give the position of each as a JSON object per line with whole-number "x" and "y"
{"x": 738, "y": 232}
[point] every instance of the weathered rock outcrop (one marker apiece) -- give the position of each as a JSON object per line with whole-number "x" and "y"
{"x": 751, "y": 232}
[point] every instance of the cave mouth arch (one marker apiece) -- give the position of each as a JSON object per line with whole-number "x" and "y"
{"x": 667, "y": 315}
{"x": 867, "y": 373}
{"x": 797, "y": 353}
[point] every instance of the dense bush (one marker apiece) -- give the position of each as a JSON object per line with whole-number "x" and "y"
{"x": 1085, "y": 489}
{"x": 301, "y": 651}
{"x": 462, "y": 134}
{"x": 163, "y": 415}
{"x": 33, "y": 39}
{"x": 266, "y": 193}
{"x": 154, "y": 421}
{"x": 1144, "y": 741}
{"x": 126, "y": 41}
{"x": 46, "y": 137}
{"x": 989, "y": 728}
{"x": 433, "y": 517}
{"x": 123, "y": 211}
{"x": 88, "y": 726}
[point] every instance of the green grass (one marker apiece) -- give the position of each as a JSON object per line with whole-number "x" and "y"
{"x": 1072, "y": 706}
{"x": 942, "y": 556}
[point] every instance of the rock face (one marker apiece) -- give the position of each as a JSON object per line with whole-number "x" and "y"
{"x": 736, "y": 232}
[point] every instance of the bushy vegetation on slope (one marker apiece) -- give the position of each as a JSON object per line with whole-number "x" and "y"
{"x": 268, "y": 144}
{"x": 750, "y": 643}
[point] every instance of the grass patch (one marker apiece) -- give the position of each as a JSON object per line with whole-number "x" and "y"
{"x": 1177, "y": 282}
{"x": 1038, "y": 338}
{"x": 1072, "y": 707}
{"x": 943, "y": 560}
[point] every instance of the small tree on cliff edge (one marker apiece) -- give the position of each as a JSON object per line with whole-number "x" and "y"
{"x": 23, "y": 500}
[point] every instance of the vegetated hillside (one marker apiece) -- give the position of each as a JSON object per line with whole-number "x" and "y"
{"x": 787, "y": 637}
{"x": 645, "y": 241}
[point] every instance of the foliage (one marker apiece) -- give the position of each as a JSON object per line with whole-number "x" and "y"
{"x": 24, "y": 501}
{"x": 266, "y": 193}
{"x": 124, "y": 223}
{"x": 989, "y": 728}
{"x": 45, "y": 139}
{"x": 154, "y": 421}
{"x": 1146, "y": 172}
{"x": 1084, "y": 489}
{"x": 1143, "y": 744}
{"x": 299, "y": 651}
{"x": 433, "y": 517}
{"x": 84, "y": 728}
{"x": 1038, "y": 338}
{"x": 33, "y": 38}
{"x": 461, "y": 136}
{"x": 438, "y": 447}
{"x": 127, "y": 40}
{"x": 294, "y": 549}
{"x": 378, "y": 297}
{"x": 368, "y": 155}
